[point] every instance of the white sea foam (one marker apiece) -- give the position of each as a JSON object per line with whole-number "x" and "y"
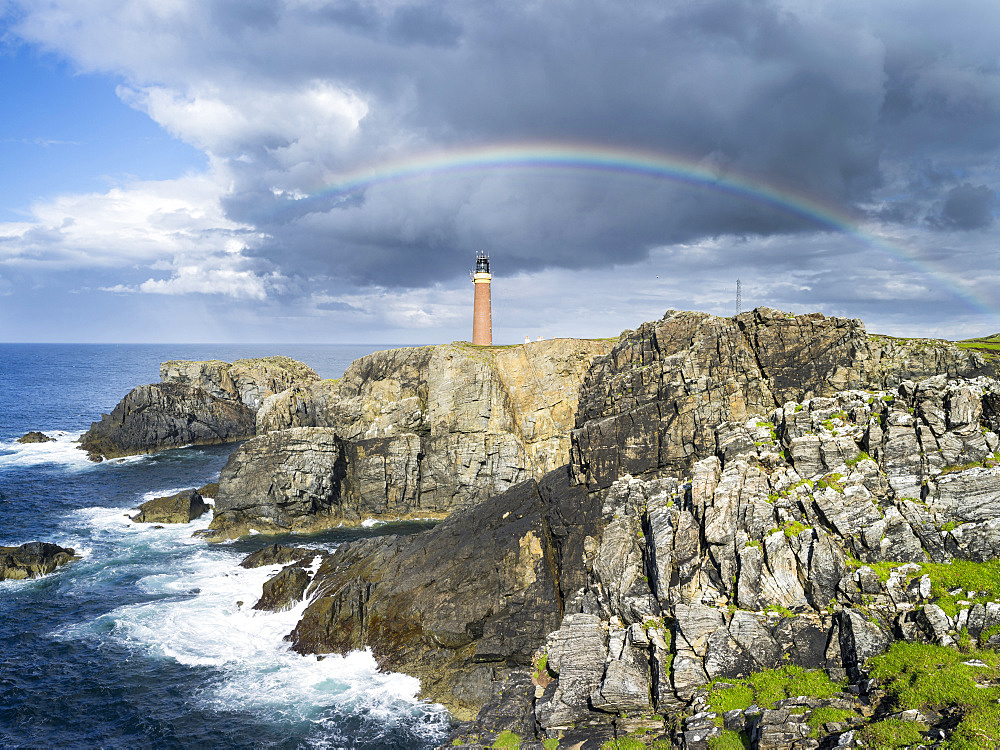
{"x": 369, "y": 523}
{"x": 204, "y": 618}
{"x": 62, "y": 451}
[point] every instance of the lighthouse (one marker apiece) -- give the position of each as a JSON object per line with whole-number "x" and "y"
{"x": 482, "y": 318}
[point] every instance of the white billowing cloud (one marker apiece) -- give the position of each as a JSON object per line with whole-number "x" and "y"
{"x": 176, "y": 226}
{"x": 228, "y": 282}
{"x": 139, "y": 222}
{"x": 316, "y": 116}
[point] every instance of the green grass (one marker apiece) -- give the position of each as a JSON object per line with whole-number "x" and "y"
{"x": 550, "y": 744}
{"x": 862, "y": 456}
{"x": 729, "y": 740}
{"x": 981, "y": 578}
{"x": 825, "y": 714}
{"x": 832, "y": 481}
{"x": 507, "y": 740}
{"x": 917, "y": 675}
{"x": 623, "y": 743}
{"x": 770, "y": 686}
{"x": 892, "y": 733}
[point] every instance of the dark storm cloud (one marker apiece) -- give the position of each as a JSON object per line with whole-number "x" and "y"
{"x": 967, "y": 207}
{"x": 887, "y": 110}
{"x": 747, "y": 87}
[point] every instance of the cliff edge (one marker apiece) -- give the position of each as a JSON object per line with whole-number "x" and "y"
{"x": 771, "y": 494}
{"x": 406, "y": 433}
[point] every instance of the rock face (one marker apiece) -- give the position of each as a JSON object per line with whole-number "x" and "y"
{"x": 282, "y": 481}
{"x": 248, "y": 381}
{"x": 196, "y": 403}
{"x": 35, "y": 437}
{"x": 32, "y": 560}
{"x": 183, "y": 507}
{"x": 654, "y": 403}
{"x": 406, "y": 433}
{"x": 732, "y": 482}
{"x": 462, "y": 603}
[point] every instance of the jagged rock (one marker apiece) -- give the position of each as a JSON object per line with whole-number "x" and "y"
{"x": 625, "y": 686}
{"x": 209, "y": 490}
{"x": 509, "y": 708}
{"x": 166, "y": 415}
{"x": 284, "y": 590}
{"x": 478, "y": 589}
{"x": 654, "y": 402}
{"x": 183, "y": 507}
{"x": 35, "y": 437}
{"x": 197, "y": 403}
{"x": 860, "y": 639}
{"x": 33, "y": 559}
{"x": 278, "y": 554}
{"x": 576, "y": 653}
{"x": 443, "y": 427}
{"x": 282, "y": 481}
{"x": 308, "y": 478}
{"x": 730, "y": 474}
{"x": 249, "y": 381}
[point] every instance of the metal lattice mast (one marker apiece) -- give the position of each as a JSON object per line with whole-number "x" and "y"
{"x": 739, "y": 297}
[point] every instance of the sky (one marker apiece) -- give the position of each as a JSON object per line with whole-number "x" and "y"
{"x": 326, "y": 170}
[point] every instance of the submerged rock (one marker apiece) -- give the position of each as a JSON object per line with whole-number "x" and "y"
{"x": 183, "y": 507}
{"x": 33, "y": 559}
{"x": 35, "y": 437}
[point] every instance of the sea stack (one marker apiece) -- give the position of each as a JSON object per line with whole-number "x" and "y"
{"x": 482, "y": 319}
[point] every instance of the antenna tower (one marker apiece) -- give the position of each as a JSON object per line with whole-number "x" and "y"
{"x": 739, "y": 297}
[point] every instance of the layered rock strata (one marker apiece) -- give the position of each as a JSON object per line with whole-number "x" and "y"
{"x": 197, "y": 403}
{"x": 738, "y": 479}
{"x": 406, "y": 433}
{"x": 653, "y": 404}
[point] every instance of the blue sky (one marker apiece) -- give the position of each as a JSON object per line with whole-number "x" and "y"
{"x": 65, "y": 131}
{"x": 164, "y": 166}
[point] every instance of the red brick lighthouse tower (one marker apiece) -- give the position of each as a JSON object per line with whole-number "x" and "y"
{"x": 482, "y": 319}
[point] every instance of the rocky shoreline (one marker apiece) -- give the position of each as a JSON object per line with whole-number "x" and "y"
{"x": 710, "y": 531}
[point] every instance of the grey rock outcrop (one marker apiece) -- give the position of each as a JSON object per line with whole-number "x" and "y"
{"x": 284, "y": 590}
{"x": 654, "y": 403}
{"x": 166, "y": 415}
{"x": 279, "y": 482}
{"x": 197, "y": 403}
{"x": 182, "y": 507}
{"x": 419, "y": 431}
{"x": 772, "y": 456}
{"x": 278, "y": 554}
{"x": 33, "y": 559}
{"x": 35, "y": 437}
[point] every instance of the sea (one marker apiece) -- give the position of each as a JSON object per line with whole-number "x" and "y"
{"x": 150, "y": 639}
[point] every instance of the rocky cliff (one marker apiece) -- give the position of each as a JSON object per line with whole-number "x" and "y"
{"x": 756, "y": 495}
{"x": 195, "y": 403}
{"x": 411, "y": 433}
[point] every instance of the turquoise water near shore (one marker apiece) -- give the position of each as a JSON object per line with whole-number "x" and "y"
{"x": 149, "y": 639}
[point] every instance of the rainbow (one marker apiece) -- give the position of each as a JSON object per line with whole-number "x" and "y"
{"x": 649, "y": 164}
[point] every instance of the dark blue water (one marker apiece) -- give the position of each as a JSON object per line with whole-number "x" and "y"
{"x": 148, "y": 641}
